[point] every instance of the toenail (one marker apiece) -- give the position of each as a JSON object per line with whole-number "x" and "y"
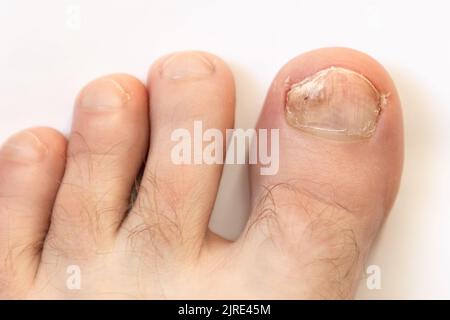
{"x": 24, "y": 147}
{"x": 104, "y": 94}
{"x": 335, "y": 103}
{"x": 187, "y": 65}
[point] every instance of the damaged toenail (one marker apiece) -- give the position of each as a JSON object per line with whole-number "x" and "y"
{"x": 104, "y": 94}
{"x": 187, "y": 65}
{"x": 335, "y": 103}
{"x": 24, "y": 147}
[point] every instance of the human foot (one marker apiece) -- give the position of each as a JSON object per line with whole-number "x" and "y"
{"x": 68, "y": 213}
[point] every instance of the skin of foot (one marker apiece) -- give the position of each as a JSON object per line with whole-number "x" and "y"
{"x": 108, "y": 205}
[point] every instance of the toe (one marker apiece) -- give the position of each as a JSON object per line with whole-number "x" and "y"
{"x": 340, "y": 160}
{"x": 31, "y": 168}
{"x": 107, "y": 147}
{"x": 190, "y": 93}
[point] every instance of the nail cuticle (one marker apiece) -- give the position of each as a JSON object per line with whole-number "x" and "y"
{"x": 187, "y": 66}
{"x": 24, "y": 148}
{"x": 103, "y": 95}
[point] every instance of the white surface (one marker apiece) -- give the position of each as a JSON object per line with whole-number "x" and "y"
{"x": 45, "y": 59}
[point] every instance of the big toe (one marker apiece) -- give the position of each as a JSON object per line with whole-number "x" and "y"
{"x": 340, "y": 160}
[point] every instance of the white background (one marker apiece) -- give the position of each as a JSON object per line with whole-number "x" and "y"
{"x": 45, "y": 58}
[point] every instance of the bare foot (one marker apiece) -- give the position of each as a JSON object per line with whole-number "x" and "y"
{"x": 68, "y": 207}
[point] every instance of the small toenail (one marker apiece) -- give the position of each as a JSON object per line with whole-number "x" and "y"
{"x": 24, "y": 147}
{"x": 335, "y": 103}
{"x": 187, "y": 65}
{"x": 104, "y": 94}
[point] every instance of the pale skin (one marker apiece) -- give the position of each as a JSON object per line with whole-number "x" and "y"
{"x": 66, "y": 201}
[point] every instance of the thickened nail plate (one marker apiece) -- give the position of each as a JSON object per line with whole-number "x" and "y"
{"x": 335, "y": 103}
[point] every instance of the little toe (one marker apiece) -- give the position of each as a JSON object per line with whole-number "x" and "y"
{"x": 31, "y": 168}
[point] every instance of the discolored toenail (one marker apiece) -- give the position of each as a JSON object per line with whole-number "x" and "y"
{"x": 103, "y": 94}
{"x": 335, "y": 103}
{"x": 187, "y": 65}
{"x": 23, "y": 147}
